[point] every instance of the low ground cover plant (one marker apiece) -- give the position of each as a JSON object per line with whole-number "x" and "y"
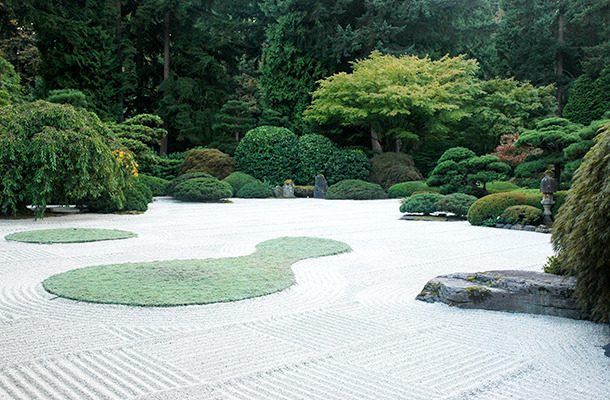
{"x": 69, "y": 235}
{"x": 183, "y": 282}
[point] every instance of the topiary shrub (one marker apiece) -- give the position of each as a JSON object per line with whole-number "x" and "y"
{"x": 347, "y": 164}
{"x": 492, "y": 206}
{"x": 202, "y": 189}
{"x": 210, "y": 161}
{"x": 581, "y": 232}
{"x": 523, "y": 215}
{"x": 456, "y": 203}
{"x": 425, "y": 203}
{"x": 135, "y": 198}
{"x": 313, "y": 151}
{"x": 406, "y": 189}
{"x": 166, "y": 166}
{"x": 158, "y": 186}
{"x": 237, "y": 180}
{"x": 171, "y": 187}
{"x": 500, "y": 187}
{"x": 255, "y": 190}
{"x": 268, "y": 153}
{"x": 388, "y": 169}
{"x": 355, "y": 189}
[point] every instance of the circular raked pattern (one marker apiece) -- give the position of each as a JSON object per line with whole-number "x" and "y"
{"x": 183, "y": 282}
{"x": 69, "y": 235}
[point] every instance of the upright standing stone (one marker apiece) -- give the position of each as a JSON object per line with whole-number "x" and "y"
{"x": 288, "y": 189}
{"x": 319, "y": 190}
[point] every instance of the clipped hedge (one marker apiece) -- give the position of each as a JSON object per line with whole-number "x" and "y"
{"x": 237, "y": 180}
{"x": 486, "y": 210}
{"x": 347, "y": 164}
{"x": 425, "y": 203}
{"x": 268, "y": 153}
{"x": 313, "y": 151}
{"x": 523, "y": 215}
{"x": 501, "y": 187}
{"x": 202, "y": 189}
{"x": 255, "y": 190}
{"x": 406, "y": 189}
{"x": 210, "y": 161}
{"x": 456, "y": 203}
{"x": 158, "y": 186}
{"x": 355, "y": 189}
{"x": 171, "y": 187}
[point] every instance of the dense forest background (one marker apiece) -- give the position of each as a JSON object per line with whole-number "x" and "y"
{"x": 215, "y": 69}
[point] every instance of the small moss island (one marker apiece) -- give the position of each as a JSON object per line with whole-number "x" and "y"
{"x": 188, "y": 282}
{"x": 69, "y": 235}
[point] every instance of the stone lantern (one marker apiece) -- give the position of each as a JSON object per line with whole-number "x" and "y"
{"x": 548, "y": 186}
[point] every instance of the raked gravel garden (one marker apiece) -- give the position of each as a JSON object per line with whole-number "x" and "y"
{"x": 348, "y": 328}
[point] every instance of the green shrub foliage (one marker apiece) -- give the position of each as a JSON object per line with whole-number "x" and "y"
{"x": 589, "y": 98}
{"x": 73, "y": 97}
{"x": 313, "y": 152}
{"x": 171, "y": 187}
{"x": 210, "y": 161}
{"x": 457, "y": 203}
{"x": 581, "y": 232}
{"x": 237, "y": 180}
{"x": 460, "y": 170}
{"x": 135, "y": 198}
{"x": 492, "y": 206}
{"x": 255, "y": 190}
{"x": 268, "y": 153}
{"x": 500, "y": 187}
{"x": 388, "y": 169}
{"x": 55, "y": 153}
{"x": 523, "y": 215}
{"x": 347, "y": 164}
{"x": 202, "y": 189}
{"x": 355, "y": 189}
{"x": 406, "y": 189}
{"x": 425, "y": 203}
{"x": 158, "y": 186}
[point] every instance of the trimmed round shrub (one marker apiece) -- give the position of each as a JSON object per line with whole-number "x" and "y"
{"x": 237, "y": 180}
{"x": 171, "y": 187}
{"x": 492, "y": 206}
{"x": 406, "y": 189}
{"x": 457, "y": 203}
{"x": 210, "y": 161}
{"x": 523, "y": 215}
{"x": 347, "y": 164}
{"x": 158, "y": 186}
{"x": 313, "y": 151}
{"x": 425, "y": 203}
{"x": 355, "y": 189}
{"x": 268, "y": 153}
{"x": 581, "y": 232}
{"x": 255, "y": 190}
{"x": 388, "y": 169}
{"x": 202, "y": 189}
{"x": 500, "y": 187}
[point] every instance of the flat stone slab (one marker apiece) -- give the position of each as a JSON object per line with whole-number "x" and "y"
{"x": 515, "y": 291}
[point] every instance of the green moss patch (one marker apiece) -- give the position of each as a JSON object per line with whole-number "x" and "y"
{"x": 69, "y": 235}
{"x": 184, "y": 282}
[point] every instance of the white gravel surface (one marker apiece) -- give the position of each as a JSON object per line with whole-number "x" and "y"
{"x": 349, "y": 329}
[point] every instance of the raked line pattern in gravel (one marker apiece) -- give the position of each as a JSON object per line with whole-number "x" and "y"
{"x": 349, "y": 329}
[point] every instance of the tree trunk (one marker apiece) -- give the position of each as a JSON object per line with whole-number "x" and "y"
{"x": 164, "y": 141}
{"x": 398, "y": 145}
{"x": 560, "y": 39}
{"x": 375, "y": 144}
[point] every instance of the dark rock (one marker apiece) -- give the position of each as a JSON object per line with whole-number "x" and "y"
{"x": 607, "y": 350}
{"x": 529, "y": 228}
{"x": 508, "y": 226}
{"x": 288, "y": 190}
{"x": 303, "y": 191}
{"x": 277, "y": 191}
{"x": 320, "y": 188}
{"x": 517, "y": 227}
{"x": 499, "y": 225}
{"x": 516, "y": 291}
